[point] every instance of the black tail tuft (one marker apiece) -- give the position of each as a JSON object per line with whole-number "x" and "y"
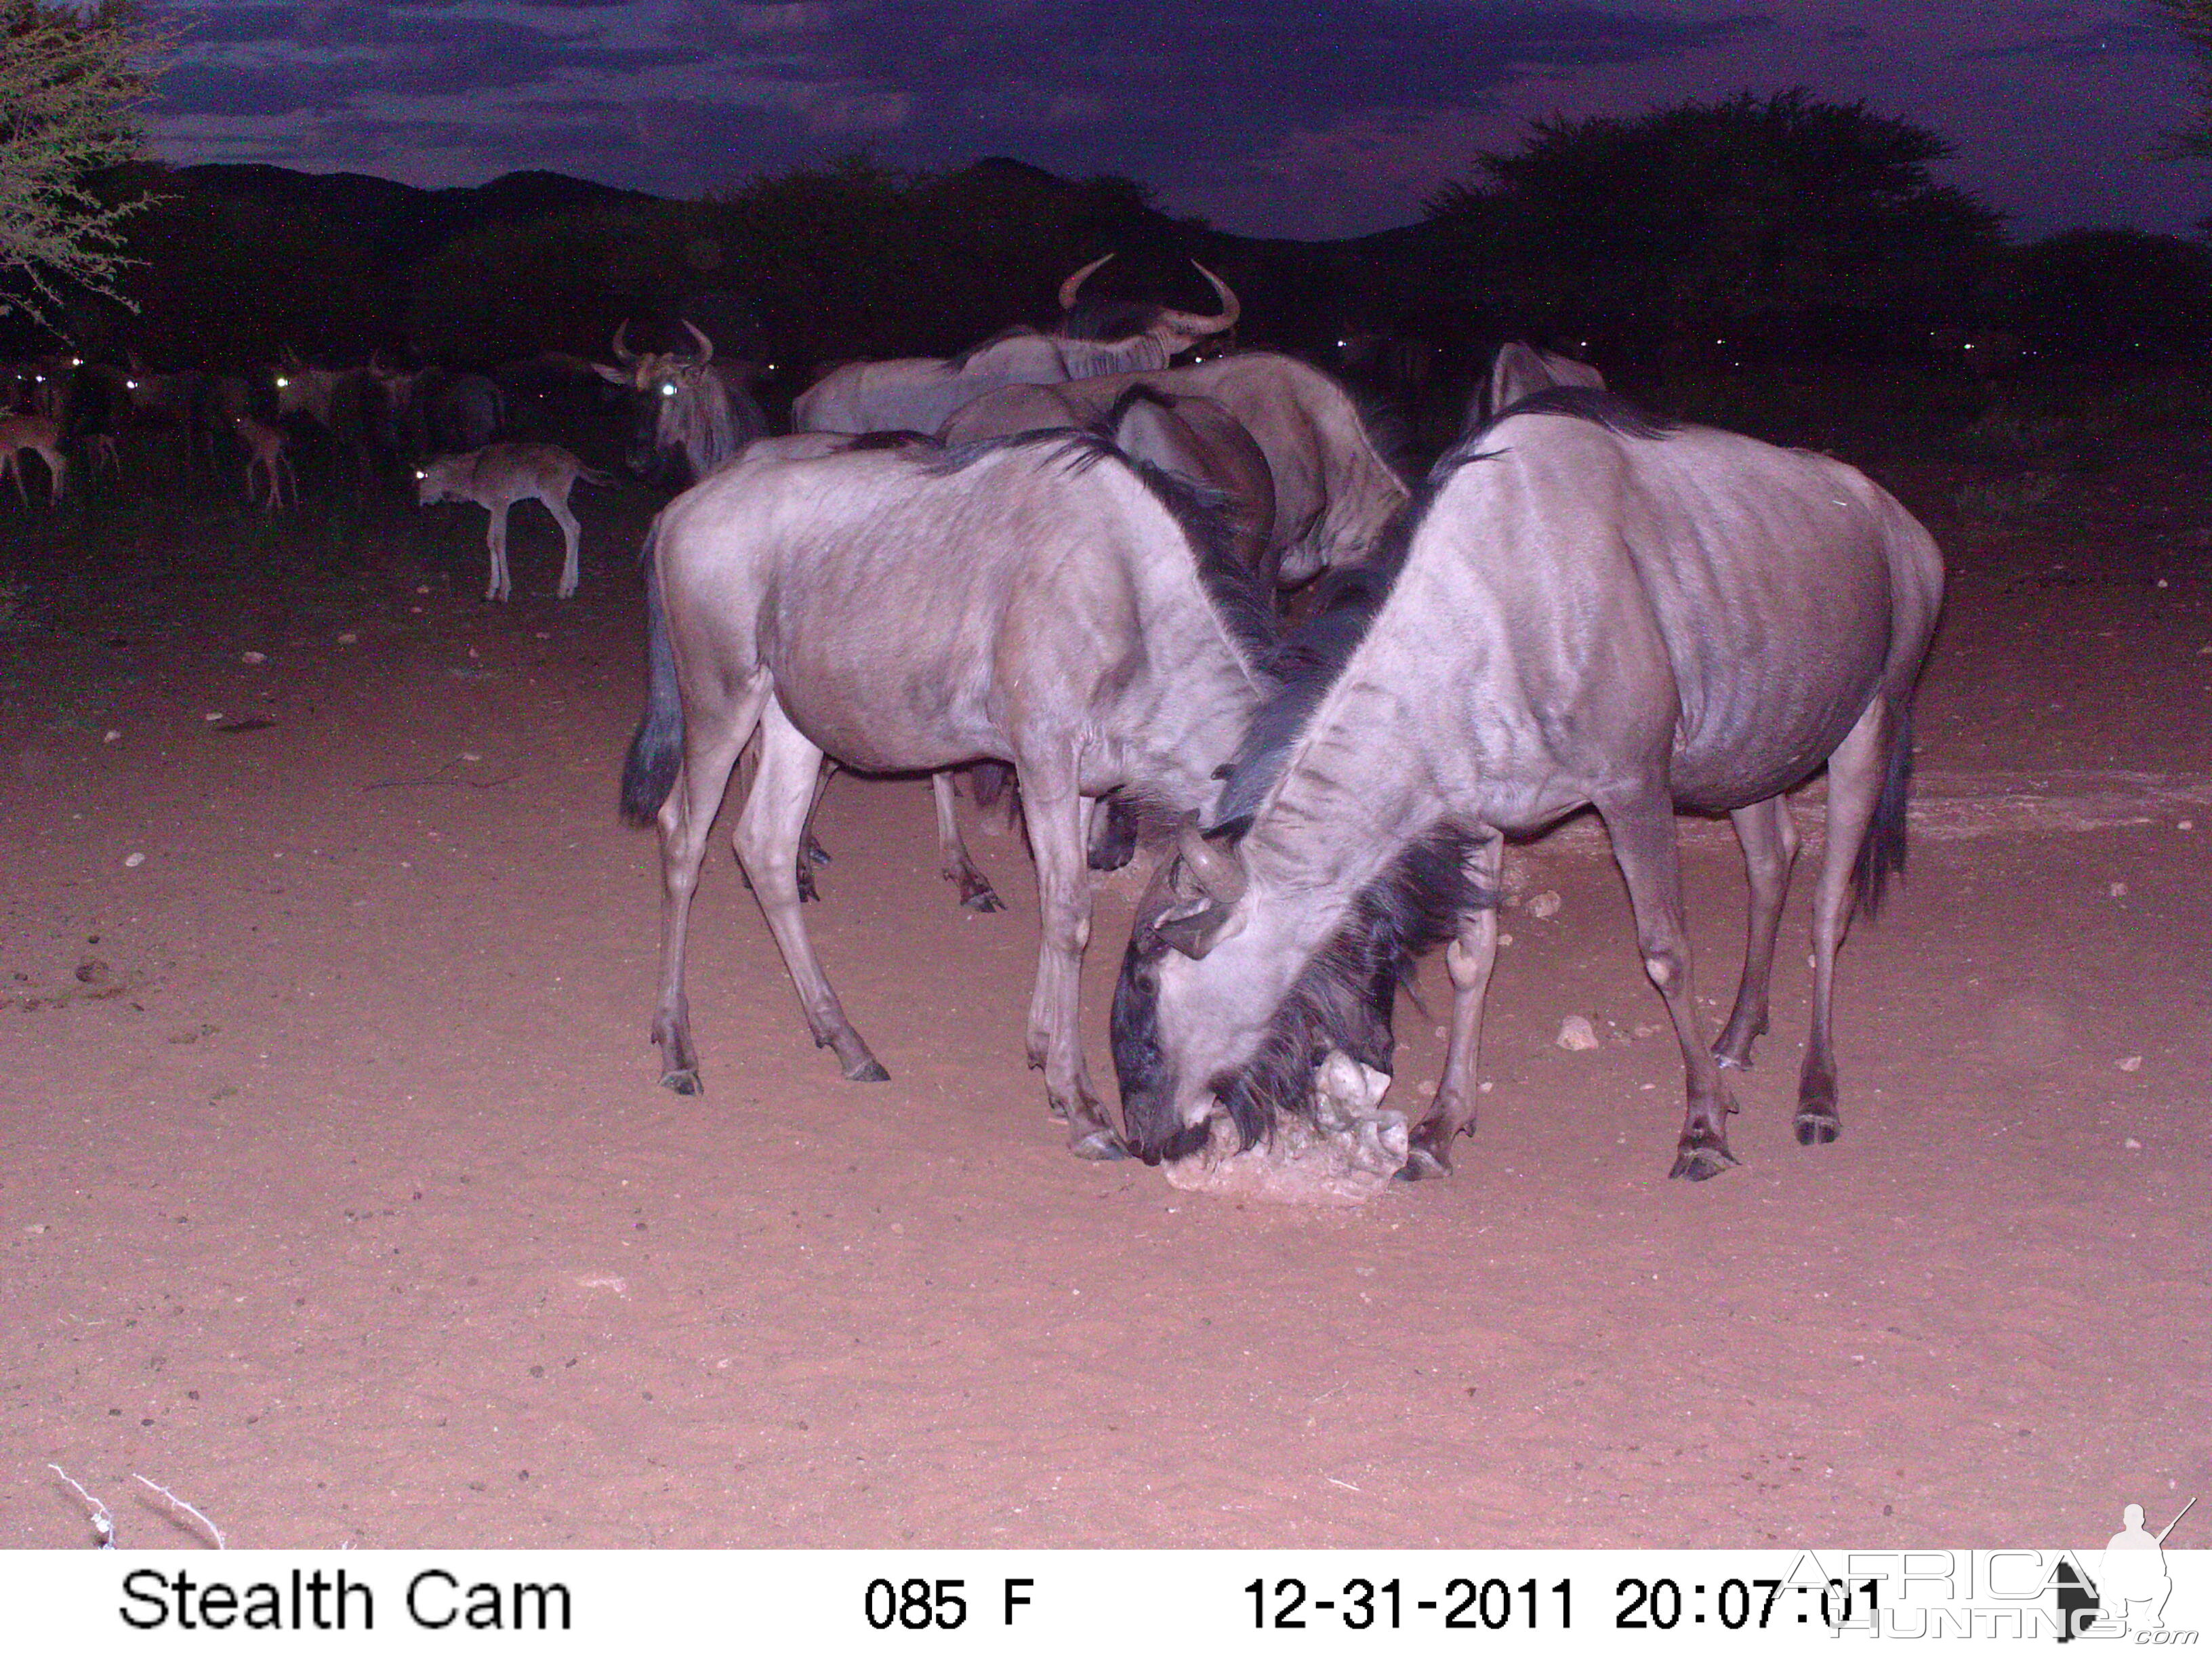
{"x": 656, "y": 749}
{"x": 1882, "y": 854}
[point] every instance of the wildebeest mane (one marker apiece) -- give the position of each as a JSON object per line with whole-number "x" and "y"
{"x": 1309, "y": 660}
{"x": 1345, "y": 996}
{"x": 959, "y": 362}
{"x": 1609, "y": 409}
{"x": 1108, "y": 320}
{"x": 894, "y": 438}
{"x": 1202, "y": 514}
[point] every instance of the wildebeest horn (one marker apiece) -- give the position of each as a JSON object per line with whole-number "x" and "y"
{"x": 623, "y": 355}
{"x": 1217, "y": 873}
{"x": 1194, "y": 326}
{"x": 706, "y": 345}
{"x": 1068, "y": 288}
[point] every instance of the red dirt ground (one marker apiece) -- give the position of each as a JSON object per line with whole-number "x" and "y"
{"x": 336, "y": 1194}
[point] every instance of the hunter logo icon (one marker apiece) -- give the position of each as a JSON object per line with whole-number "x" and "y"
{"x": 2131, "y": 1585}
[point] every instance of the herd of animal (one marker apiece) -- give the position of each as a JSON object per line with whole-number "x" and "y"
{"x": 1063, "y": 554}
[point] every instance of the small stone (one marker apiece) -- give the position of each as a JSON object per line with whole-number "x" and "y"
{"x": 425, "y": 588}
{"x": 2132, "y": 1063}
{"x": 1505, "y": 940}
{"x": 2118, "y": 890}
{"x": 348, "y": 639}
{"x": 1545, "y": 904}
{"x": 214, "y": 717}
{"x": 256, "y": 657}
{"x": 2186, "y": 823}
{"x": 470, "y": 758}
{"x": 134, "y": 860}
{"x": 2132, "y": 1144}
{"x": 113, "y": 737}
{"x": 1577, "y": 1033}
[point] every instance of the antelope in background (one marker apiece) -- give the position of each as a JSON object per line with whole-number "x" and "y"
{"x": 265, "y": 448}
{"x": 36, "y": 432}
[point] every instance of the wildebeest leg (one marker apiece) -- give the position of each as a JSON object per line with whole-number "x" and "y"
{"x": 1854, "y": 780}
{"x": 1059, "y": 823}
{"x": 1770, "y": 849}
{"x": 811, "y": 851}
{"x": 712, "y": 739}
{"x": 572, "y": 534}
{"x": 496, "y": 539}
{"x": 1469, "y": 958}
{"x": 952, "y": 860}
{"x": 1642, "y": 831}
{"x": 769, "y": 833}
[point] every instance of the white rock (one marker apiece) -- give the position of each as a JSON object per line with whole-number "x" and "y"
{"x": 1545, "y": 904}
{"x": 2132, "y": 1063}
{"x": 113, "y": 737}
{"x": 1505, "y": 940}
{"x": 348, "y": 639}
{"x": 1577, "y": 1033}
{"x": 213, "y": 715}
{"x": 2118, "y": 890}
{"x": 2132, "y": 1144}
{"x": 253, "y": 657}
{"x": 134, "y": 860}
{"x": 1349, "y": 1151}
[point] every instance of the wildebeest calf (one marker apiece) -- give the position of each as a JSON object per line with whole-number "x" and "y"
{"x": 498, "y": 475}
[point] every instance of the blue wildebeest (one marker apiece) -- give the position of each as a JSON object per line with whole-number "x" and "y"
{"x": 1042, "y": 601}
{"x": 1583, "y": 608}
{"x": 1191, "y": 440}
{"x": 685, "y": 403}
{"x": 349, "y": 404}
{"x": 920, "y": 394}
{"x": 437, "y": 411}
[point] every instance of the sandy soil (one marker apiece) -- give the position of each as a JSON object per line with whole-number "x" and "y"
{"x": 338, "y": 1195}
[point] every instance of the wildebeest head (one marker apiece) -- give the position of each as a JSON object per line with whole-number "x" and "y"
{"x": 438, "y": 479}
{"x": 1224, "y": 1003}
{"x": 685, "y": 401}
{"x": 1124, "y": 321}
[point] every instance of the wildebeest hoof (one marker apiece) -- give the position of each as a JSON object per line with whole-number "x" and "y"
{"x": 683, "y": 1081}
{"x": 867, "y": 1071}
{"x": 1422, "y": 1165}
{"x": 1700, "y": 1161}
{"x": 1730, "y": 1063}
{"x": 815, "y": 852}
{"x": 1818, "y": 1128}
{"x": 983, "y": 902}
{"x": 1099, "y": 1146}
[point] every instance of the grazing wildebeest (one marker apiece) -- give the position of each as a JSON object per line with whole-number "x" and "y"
{"x": 1521, "y": 370}
{"x": 1042, "y": 601}
{"x": 42, "y": 434}
{"x": 1583, "y": 608}
{"x": 686, "y": 403}
{"x": 920, "y": 394}
{"x": 498, "y": 475}
{"x": 181, "y": 401}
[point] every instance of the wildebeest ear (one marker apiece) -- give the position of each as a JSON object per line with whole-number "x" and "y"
{"x": 608, "y": 371}
{"x": 1200, "y": 932}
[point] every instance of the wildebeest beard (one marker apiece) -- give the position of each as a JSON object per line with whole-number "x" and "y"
{"x": 1345, "y": 999}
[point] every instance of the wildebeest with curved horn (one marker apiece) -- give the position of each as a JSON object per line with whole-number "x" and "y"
{"x": 903, "y": 608}
{"x": 1584, "y": 608}
{"x": 687, "y": 402}
{"x": 920, "y": 394}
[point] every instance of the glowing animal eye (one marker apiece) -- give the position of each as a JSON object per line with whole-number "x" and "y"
{"x": 130, "y": 386}
{"x": 281, "y": 383}
{"x": 668, "y": 388}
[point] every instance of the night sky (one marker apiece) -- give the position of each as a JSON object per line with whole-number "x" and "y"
{"x": 1268, "y": 116}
